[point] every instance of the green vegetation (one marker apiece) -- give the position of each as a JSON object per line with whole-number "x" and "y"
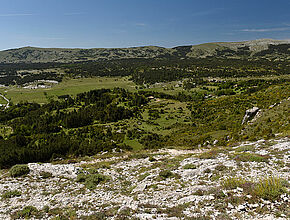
{"x": 164, "y": 174}
{"x": 220, "y": 167}
{"x": 19, "y": 170}
{"x": 45, "y": 175}
{"x": 68, "y": 86}
{"x": 136, "y": 104}
{"x": 233, "y": 182}
{"x": 212, "y": 154}
{"x": 73, "y": 126}
{"x": 189, "y": 166}
{"x": 251, "y": 50}
{"x": 91, "y": 180}
{"x": 270, "y": 188}
{"x": 113, "y": 105}
{"x": 106, "y": 119}
{"x": 11, "y": 194}
{"x": 245, "y": 148}
{"x": 245, "y": 157}
{"x": 26, "y": 212}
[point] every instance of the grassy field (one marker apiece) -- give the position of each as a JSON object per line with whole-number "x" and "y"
{"x": 174, "y": 112}
{"x": 71, "y": 87}
{"x": 75, "y": 86}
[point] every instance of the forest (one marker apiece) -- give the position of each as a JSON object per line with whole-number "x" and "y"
{"x": 144, "y": 71}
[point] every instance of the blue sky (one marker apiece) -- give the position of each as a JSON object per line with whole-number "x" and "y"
{"x": 126, "y": 23}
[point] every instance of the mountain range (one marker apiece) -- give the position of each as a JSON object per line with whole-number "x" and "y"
{"x": 256, "y": 49}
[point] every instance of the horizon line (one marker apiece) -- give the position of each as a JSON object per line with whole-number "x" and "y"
{"x": 180, "y": 45}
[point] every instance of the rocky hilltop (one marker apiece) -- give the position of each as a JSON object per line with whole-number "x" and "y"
{"x": 264, "y": 48}
{"x": 244, "y": 181}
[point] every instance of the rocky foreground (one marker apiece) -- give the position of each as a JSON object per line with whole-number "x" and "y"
{"x": 247, "y": 181}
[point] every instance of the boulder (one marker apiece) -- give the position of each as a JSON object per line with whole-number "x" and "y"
{"x": 250, "y": 113}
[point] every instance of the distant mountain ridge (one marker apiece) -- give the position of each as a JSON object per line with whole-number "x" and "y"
{"x": 263, "y": 48}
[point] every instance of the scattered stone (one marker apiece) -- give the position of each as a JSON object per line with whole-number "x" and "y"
{"x": 240, "y": 189}
{"x": 241, "y": 208}
{"x": 140, "y": 188}
{"x": 253, "y": 206}
{"x": 189, "y": 192}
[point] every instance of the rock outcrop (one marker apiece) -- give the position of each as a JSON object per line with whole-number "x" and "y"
{"x": 250, "y": 113}
{"x": 135, "y": 189}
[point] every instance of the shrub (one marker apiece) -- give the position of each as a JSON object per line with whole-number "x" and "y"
{"x": 152, "y": 141}
{"x": 199, "y": 192}
{"x": 46, "y": 209}
{"x": 207, "y": 170}
{"x": 245, "y": 148}
{"x": 19, "y": 170}
{"x": 218, "y": 193}
{"x": 220, "y": 167}
{"x": 189, "y": 166}
{"x": 137, "y": 156}
{"x": 209, "y": 154}
{"x": 270, "y": 188}
{"x": 45, "y": 175}
{"x": 93, "y": 170}
{"x": 11, "y": 194}
{"x": 248, "y": 157}
{"x": 26, "y": 212}
{"x": 164, "y": 174}
{"x": 93, "y": 180}
{"x": 152, "y": 159}
{"x": 248, "y": 187}
{"x": 81, "y": 178}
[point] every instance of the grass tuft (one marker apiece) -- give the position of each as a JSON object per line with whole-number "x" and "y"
{"x": 233, "y": 182}
{"x": 270, "y": 188}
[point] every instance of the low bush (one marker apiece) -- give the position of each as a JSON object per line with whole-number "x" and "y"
{"x": 11, "y": 194}
{"x": 189, "y": 166}
{"x": 81, "y": 178}
{"x": 19, "y": 170}
{"x": 45, "y": 175}
{"x": 164, "y": 174}
{"x": 207, "y": 170}
{"x": 245, "y": 148}
{"x": 248, "y": 157}
{"x": 220, "y": 167}
{"x": 199, "y": 192}
{"x": 212, "y": 154}
{"x": 26, "y": 212}
{"x": 91, "y": 180}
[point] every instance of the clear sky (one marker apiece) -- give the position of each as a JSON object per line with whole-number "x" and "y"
{"x": 126, "y": 23}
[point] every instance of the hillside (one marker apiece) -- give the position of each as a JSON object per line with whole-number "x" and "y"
{"x": 266, "y": 48}
{"x": 166, "y": 184}
{"x": 191, "y": 132}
